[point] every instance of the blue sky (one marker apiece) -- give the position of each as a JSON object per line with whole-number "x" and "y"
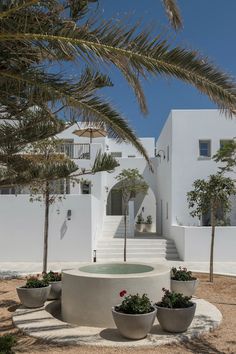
{"x": 209, "y": 26}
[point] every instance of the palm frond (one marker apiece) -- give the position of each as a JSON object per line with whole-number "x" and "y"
{"x": 112, "y": 43}
{"x": 104, "y": 162}
{"x": 173, "y": 13}
{"x": 80, "y": 102}
{"x": 34, "y": 126}
{"x": 10, "y": 10}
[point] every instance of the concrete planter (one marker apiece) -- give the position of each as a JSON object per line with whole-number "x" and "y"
{"x": 133, "y": 326}
{"x": 175, "y": 320}
{"x": 187, "y": 288}
{"x": 140, "y": 227}
{"x": 33, "y": 297}
{"x": 147, "y": 227}
{"x": 55, "y": 292}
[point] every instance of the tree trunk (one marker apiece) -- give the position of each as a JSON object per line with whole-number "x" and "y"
{"x": 125, "y": 236}
{"x": 212, "y": 245}
{"x": 46, "y": 223}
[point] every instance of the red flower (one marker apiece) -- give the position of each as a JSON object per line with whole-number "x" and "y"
{"x": 122, "y": 293}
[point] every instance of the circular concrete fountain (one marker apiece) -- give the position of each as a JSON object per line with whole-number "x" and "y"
{"x": 89, "y": 293}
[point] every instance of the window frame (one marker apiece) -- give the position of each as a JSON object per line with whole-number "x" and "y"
{"x": 204, "y": 141}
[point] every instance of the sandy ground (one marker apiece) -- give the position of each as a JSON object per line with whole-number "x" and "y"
{"x": 222, "y": 293}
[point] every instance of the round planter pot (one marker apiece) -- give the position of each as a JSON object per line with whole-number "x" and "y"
{"x": 133, "y": 326}
{"x": 33, "y": 297}
{"x": 187, "y": 288}
{"x": 148, "y": 228}
{"x": 55, "y": 292}
{"x": 175, "y": 320}
{"x": 140, "y": 227}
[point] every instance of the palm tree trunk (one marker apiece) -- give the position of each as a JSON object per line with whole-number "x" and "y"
{"x": 125, "y": 236}
{"x": 46, "y": 223}
{"x": 212, "y": 245}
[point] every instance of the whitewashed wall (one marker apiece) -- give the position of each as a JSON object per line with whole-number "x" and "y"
{"x": 164, "y": 179}
{"x": 188, "y": 127}
{"x": 149, "y": 201}
{"x": 193, "y": 243}
{"x": 129, "y": 150}
{"x": 21, "y": 233}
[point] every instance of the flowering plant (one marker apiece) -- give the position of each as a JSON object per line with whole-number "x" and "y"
{"x": 134, "y": 304}
{"x": 174, "y": 300}
{"x": 35, "y": 282}
{"x": 52, "y": 276}
{"x": 181, "y": 274}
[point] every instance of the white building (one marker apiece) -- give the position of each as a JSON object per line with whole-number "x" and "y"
{"x": 90, "y": 218}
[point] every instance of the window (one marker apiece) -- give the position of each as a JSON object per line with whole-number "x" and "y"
{"x": 86, "y": 188}
{"x": 204, "y": 148}
{"x": 224, "y": 142}
{"x": 5, "y": 190}
{"x": 60, "y": 186}
{"x": 116, "y": 154}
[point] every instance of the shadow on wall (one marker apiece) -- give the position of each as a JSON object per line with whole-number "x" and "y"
{"x": 63, "y": 229}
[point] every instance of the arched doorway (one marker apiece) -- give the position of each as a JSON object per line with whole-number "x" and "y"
{"x": 114, "y": 202}
{"x": 144, "y": 204}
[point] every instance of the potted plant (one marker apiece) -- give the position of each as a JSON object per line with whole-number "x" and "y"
{"x": 182, "y": 281}
{"x": 148, "y": 224}
{"x": 34, "y": 293}
{"x": 135, "y": 316}
{"x": 175, "y": 312}
{"x": 140, "y": 224}
{"x": 54, "y": 279}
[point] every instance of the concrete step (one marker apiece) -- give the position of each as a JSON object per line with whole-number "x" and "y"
{"x": 139, "y": 258}
{"x": 120, "y": 241}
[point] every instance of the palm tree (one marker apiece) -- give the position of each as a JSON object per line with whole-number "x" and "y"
{"x": 34, "y": 34}
{"x": 56, "y": 36}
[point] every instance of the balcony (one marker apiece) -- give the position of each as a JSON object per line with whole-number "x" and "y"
{"x": 76, "y": 151}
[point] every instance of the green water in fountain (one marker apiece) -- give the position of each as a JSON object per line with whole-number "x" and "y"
{"x": 116, "y": 268}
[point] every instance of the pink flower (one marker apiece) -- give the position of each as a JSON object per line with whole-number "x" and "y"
{"x": 122, "y": 293}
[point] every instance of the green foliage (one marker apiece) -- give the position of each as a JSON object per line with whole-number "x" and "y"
{"x": 7, "y": 341}
{"x": 135, "y": 304}
{"x": 174, "y": 300}
{"x": 35, "y": 282}
{"x": 227, "y": 155}
{"x": 149, "y": 220}
{"x": 211, "y": 194}
{"x": 181, "y": 274}
{"x": 140, "y": 219}
{"x": 104, "y": 162}
{"x": 130, "y": 183}
{"x": 51, "y": 276}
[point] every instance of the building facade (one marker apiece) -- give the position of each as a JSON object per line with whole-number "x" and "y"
{"x": 182, "y": 153}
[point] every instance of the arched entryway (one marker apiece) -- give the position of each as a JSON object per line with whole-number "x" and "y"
{"x": 144, "y": 204}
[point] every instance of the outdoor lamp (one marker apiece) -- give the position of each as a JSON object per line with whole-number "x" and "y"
{"x": 159, "y": 155}
{"x": 94, "y": 255}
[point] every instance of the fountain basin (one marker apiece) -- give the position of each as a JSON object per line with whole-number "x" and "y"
{"x": 90, "y": 292}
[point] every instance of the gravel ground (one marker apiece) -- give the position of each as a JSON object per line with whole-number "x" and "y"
{"x": 222, "y": 293}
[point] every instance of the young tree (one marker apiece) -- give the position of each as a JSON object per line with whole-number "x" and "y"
{"x": 210, "y": 196}
{"x": 49, "y": 167}
{"x": 130, "y": 183}
{"x": 227, "y": 155}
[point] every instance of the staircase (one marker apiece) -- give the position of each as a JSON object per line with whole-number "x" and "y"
{"x": 144, "y": 247}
